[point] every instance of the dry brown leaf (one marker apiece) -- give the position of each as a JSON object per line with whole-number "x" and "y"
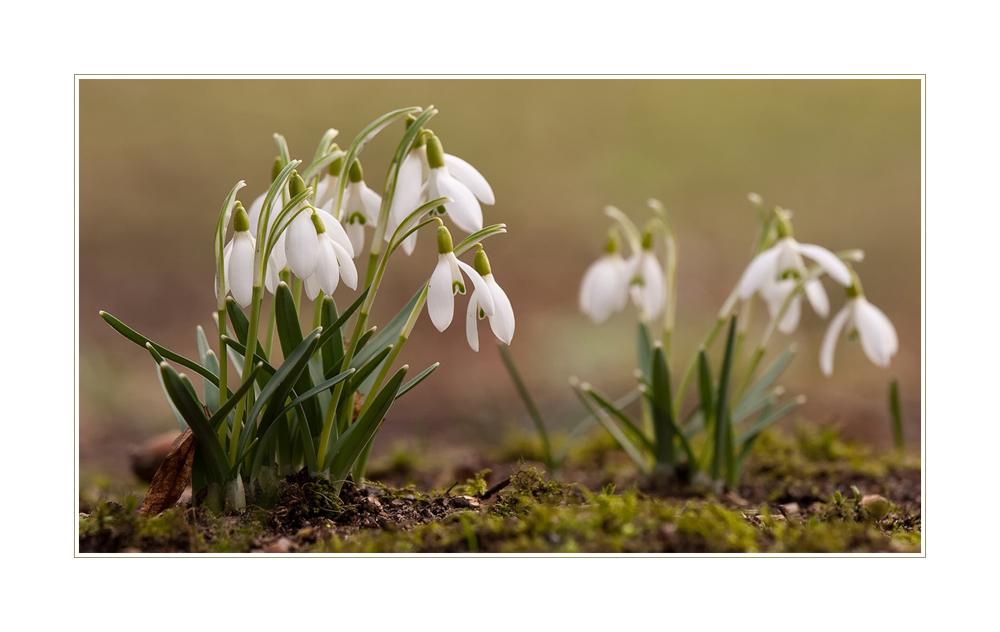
{"x": 173, "y": 476}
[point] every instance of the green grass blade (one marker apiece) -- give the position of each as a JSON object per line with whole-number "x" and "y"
{"x": 588, "y": 420}
{"x": 183, "y": 425}
{"x": 769, "y": 376}
{"x": 328, "y": 384}
{"x": 334, "y": 330}
{"x": 241, "y": 327}
{"x": 332, "y": 351}
{"x": 645, "y": 350}
{"x": 219, "y": 417}
{"x": 363, "y": 371}
{"x": 768, "y": 417}
{"x": 387, "y": 335}
{"x": 663, "y": 407}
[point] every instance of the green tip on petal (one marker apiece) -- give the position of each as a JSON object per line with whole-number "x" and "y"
{"x": 241, "y": 221}
{"x": 318, "y": 223}
{"x": 614, "y": 242}
{"x": 482, "y": 263}
{"x": 356, "y": 174}
{"x": 647, "y": 239}
{"x": 855, "y": 290}
{"x": 435, "y": 152}
{"x": 296, "y": 184}
{"x": 445, "y": 245}
{"x": 276, "y": 168}
{"x": 783, "y": 223}
{"x": 335, "y": 166}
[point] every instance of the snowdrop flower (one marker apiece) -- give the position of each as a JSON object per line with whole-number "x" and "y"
{"x": 334, "y": 259}
{"x": 408, "y": 195}
{"x": 327, "y": 187}
{"x": 864, "y": 321}
{"x": 605, "y": 283}
{"x": 466, "y": 187}
{"x": 502, "y": 320}
{"x": 237, "y": 259}
{"x": 361, "y": 207}
{"x": 277, "y": 262}
{"x": 446, "y": 281}
{"x": 770, "y": 272}
{"x": 647, "y": 284}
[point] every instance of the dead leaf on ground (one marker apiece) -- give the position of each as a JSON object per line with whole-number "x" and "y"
{"x": 173, "y": 476}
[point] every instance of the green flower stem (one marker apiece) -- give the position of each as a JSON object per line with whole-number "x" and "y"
{"x": 670, "y": 280}
{"x": 297, "y": 293}
{"x": 404, "y": 335}
{"x": 271, "y": 326}
{"x": 529, "y": 403}
{"x": 223, "y": 373}
{"x": 251, "y": 348}
{"x": 318, "y": 312}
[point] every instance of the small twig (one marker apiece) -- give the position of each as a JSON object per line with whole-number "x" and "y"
{"x": 447, "y": 491}
{"x": 496, "y": 488}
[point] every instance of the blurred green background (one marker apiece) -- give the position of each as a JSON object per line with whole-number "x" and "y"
{"x": 157, "y": 158}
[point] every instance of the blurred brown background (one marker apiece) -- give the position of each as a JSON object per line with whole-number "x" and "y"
{"x": 157, "y": 158}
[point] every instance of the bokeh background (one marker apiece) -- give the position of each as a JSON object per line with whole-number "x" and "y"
{"x": 157, "y": 158}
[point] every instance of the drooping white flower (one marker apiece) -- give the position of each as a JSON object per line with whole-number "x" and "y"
{"x": 408, "y": 195}
{"x": 446, "y": 281}
{"x": 464, "y": 208}
{"x": 604, "y": 289}
{"x": 647, "y": 285}
{"x": 334, "y": 260}
{"x": 238, "y": 259}
{"x": 502, "y": 320}
{"x": 277, "y": 262}
{"x": 326, "y": 188}
{"x": 773, "y": 272}
{"x": 865, "y": 321}
{"x": 360, "y": 207}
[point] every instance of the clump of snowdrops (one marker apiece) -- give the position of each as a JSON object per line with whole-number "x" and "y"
{"x": 708, "y": 442}
{"x": 320, "y": 405}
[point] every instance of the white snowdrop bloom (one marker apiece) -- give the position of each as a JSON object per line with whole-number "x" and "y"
{"x": 446, "y": 281}
{"x": 647, "y": 284}
{"x": 605, "y": 284}
{"x": 464, "y": 208}
{"x": 783, "y": 262}
{"x": 864, "y": 321}
{"x": 408, "y": 195}
{"x": 326, "y": 188}
{"x": 502, "y": 320}
{"x": 333, "y": 261}
{"x": 277, "y": 262}
{"x": 238, "y": 259}
{"x": 360, "y": 207}
{"x": 774, "y": 294}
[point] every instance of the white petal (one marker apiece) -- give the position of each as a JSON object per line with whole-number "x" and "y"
{"x": 652, "y": 284}
{"x": 604, "y": 288}
{"x": 372, "y": 203}
{"x": 828, "y": 261}
{"x": 410, "y": 243}
{"x": 335, "y": 229}
{"x": 472, "y": 322}
{"x": 312, "y": 287}
{"x": 326, "y": 190}
{"x": 271, "y": 277}
{"x": 440, "y": 300}
{"x": 327, "y": 269}
{"x": 761, "y": 268}
{"x": 830, "y": 339}
{"x": 817, "y": 297}
{"x": 464, "y": 210}
{"x": 254, "y": 212}
{"x": 471, "y": 178}
{"x": 502, "y": 321}
{"x": 356, "y": 233}
{"x": 347, "y": 270}
{"x": 406, "y": 197}
{"x": 485, "y": 296}
{"x": 878, "y": 336}
{"x": 791, "y": 319}
{"x": 278, "y": 252}
{"x": 241, "y": 268}
{"x": 301, "y": 247}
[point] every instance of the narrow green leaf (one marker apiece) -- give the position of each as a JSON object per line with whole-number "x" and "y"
{"x": 334, "y": 329}
{"x": 328, "y": 384}
{"x": 896, "y": 414}
{"x": 663, "y": 407}
{"x": 191, "y": 409}
{"x": 177, "y": 414}
{"x": 142, "y": 341}
{"x": 588, "y": 420}
{"x": 645, "y": 347}
{"x": 356, "y": 380}
{"x": 348, "y": 447}
{"x": 719, "y": 457}
{"x": 241, "y": 327}
{"x": 633, "y": 429}
{"x": 290, "y": 336}
{"x": 470, "y": 242}
{"x": 417, "y": 380}
{"x": 332, "y": 350}
{"x": 623, "y": 441}
{"x": 769, "y": 417}
{"x": 219, "y": 417}
{"x": 387, "y": 335}
{"x": 772, "y": 373}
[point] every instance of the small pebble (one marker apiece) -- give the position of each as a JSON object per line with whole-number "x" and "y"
{"x": 789, "y": 508}
{"x": 283, "y": 545}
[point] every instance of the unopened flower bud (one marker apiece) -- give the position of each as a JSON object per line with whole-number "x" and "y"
{"x": 296, "y": 184}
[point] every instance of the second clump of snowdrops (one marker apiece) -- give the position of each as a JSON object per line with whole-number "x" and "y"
{"x": 707, "y": 443}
